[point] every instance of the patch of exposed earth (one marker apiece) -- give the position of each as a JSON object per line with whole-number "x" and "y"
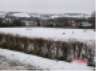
{"x": 6, "y": 64}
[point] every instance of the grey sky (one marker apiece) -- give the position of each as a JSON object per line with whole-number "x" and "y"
{"x": 48, "y": 6}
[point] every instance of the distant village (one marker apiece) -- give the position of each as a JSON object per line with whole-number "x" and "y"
{"x": 70, "y": 20}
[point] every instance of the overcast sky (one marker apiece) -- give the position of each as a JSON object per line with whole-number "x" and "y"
{"x": 48, "y": 6}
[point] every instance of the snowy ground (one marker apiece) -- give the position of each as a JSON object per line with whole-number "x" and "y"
{"x": 53, "y": 33}
{"x": 42, "y": 63}
{"x": 7, "y": 64}
{"x": 49, "y": 33}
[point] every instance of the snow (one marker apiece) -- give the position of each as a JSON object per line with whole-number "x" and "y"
{"x": 72, "y": 15}
{"x": 34, "y": 15}
{"x": 21, "y": 14}
{"x": 55, "y": 16}
{"x": 44, "y": 63}
{"x": 77, "y": 15}
{"x": 49, "y": 33}
{"x": 6, "y": 64}
{"x": 53, "y": 33}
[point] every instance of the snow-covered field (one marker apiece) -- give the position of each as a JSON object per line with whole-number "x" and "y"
{"x": 53, "y": 33}
{"x": 7, "y": 64}
{"x": 83, "y": 35}
{"x": 43, "y": 63}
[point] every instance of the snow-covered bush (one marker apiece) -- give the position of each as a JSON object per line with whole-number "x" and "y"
{"x": 61, "y": 50}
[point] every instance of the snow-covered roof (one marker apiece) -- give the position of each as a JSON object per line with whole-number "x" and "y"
{"x": 73, "y": 15}
{"x": 21, "y": 15}
{"x": 77, "y": 16}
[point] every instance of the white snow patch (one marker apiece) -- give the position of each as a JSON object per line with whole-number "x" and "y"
{"x": 53, "y": 33}
{"x": 73, "y": 15}
{"x": 43, "y": 63}
{"x": 21, "y": 15}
